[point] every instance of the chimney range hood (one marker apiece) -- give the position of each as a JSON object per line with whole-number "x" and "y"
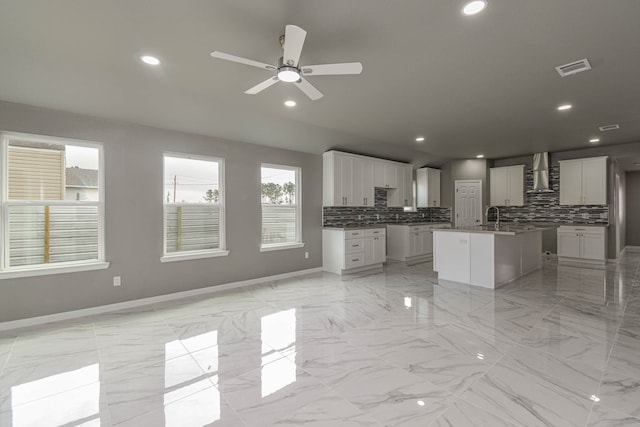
{"x": 540, "y": 173}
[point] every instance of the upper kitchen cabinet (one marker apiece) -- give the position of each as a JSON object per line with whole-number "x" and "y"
{"x": 350, "y": 180}
{"x": 428, "y": 187}
{"x": 347, "y": 180}
{"x": 583, "y": 181}
{"x": 507, "y": 186}
{"x": 402, "y": 194}
{"x": 386, "y": 174}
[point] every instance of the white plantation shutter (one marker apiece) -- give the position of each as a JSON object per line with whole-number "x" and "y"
{"x": 36, "y": 174}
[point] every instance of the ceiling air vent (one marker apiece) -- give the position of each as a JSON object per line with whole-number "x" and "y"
{"x": 609, "y": 127}
{"x": 574, "y": 68}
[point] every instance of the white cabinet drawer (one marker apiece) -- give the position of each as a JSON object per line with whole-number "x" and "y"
{"x": 581, "y": 230}
{"x": 353, "y": 245}
{"x": 353, "y": 260}
{"x": 354, "y": 234}
{"x": 415, "y": 229}
{"x": 376, "y": 232}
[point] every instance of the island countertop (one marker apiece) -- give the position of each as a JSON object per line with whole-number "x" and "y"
{"x": 507, "y": 229}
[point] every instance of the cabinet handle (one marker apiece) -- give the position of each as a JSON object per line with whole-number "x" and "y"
{"x": 355, "y": 259}
{"x": 355, "y": 246}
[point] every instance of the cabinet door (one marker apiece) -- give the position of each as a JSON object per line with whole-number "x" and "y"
{"x": 415, "y": 243}
{"x": 374, "y": 250}
{"x": 569, "y": 245}
{"x": 392, "y": 174}
{"x": 367, "y": 182}
{"x": 592, "y": 246}
{"x": 380, "y": 248}
{"x": 594, "y": 181}
{"x": 378, "y": 174}
{"x": 343, "y": 170}
{"x": 571, "y": 182}
{"x": 427, "y": 242}
{"x": 499, "y": 186}
{"x": 407, "y": 185}
{"x": 357, "y": 183}
{"x": 515, "y": 183}
{"x": 434, "y": 187}
{"x": 423, "y": 187}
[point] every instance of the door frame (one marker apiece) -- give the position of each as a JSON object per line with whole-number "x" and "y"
{"x": 455, "y": 197}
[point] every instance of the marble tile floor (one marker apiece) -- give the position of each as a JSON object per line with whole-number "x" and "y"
{"x": 558, "y": 347}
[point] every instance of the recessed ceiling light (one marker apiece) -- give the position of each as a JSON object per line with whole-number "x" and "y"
{"x": 480, "y": 156}
{"x": 594, "y": 140}
{"x": 565, "y": 107}
{"x": 290, "y": 103}
{"x": 474, "y": 7}
{"x": 151, "y": 60}
{"x": 420, "y": 139}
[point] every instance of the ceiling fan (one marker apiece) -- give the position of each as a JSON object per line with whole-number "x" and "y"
{"x": 289, "y": 70}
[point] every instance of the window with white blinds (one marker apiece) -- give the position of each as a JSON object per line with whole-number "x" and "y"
{"x": 52, "y": 203}
{"x": 193, "y": 207}
{"x": 280, "y": 197}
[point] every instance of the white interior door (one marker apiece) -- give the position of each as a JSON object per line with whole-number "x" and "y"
{"x": 468, "y": 203}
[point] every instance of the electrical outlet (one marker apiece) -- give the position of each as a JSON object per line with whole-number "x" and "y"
{"x": 585, "y": 216}
{"x": 117, "y": 281}
{"x": 306, "y": 255}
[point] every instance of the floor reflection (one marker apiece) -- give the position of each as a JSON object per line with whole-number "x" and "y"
{"x": 279, "y": 332}
{"x": 68, "y": 398}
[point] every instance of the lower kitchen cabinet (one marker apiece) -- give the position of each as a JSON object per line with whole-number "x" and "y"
{"x": 347, "y": 251}
{"x": 584, "y": 244}
{"x": 411, "y": 243}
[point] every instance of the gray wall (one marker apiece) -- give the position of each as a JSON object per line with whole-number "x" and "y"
{"x": 632, "y": 234}
{"x": 461, "y": 170}
{"x": 133, "y": 217}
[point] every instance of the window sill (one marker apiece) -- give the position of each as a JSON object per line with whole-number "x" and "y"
{"x": 30, "y": 271}
{"x": 280, "y": 247}
{"x": 193, "y": 255}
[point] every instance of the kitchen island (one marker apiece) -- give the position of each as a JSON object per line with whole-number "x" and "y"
{"x": 487, "y": 256}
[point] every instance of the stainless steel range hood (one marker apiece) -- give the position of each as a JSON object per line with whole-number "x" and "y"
{"x": 540, "y": 173}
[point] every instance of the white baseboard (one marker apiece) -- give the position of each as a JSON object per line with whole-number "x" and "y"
{"x": 74, "y": 314}
{"x": 633, "y": 249}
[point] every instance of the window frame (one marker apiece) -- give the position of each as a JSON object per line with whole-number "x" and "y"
{"x": 196, "y": 254}
{"x": 298, "y": 197}
{"x": 8, "y": 272}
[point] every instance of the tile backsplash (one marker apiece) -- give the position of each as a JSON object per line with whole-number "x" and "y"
{"x": 545, "y": 207}
{"x": 341, "y": 216}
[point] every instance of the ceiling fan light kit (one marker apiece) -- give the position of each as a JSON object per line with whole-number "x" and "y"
{"x": 289, "y": 69}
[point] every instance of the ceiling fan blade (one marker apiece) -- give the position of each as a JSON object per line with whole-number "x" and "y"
{"x": 233, "y": 58}
{"x": 293, "y": 40}
{"x": 332, "y": 69}
{"x": 308, "y": 89}
{"x": 262, "y": 86}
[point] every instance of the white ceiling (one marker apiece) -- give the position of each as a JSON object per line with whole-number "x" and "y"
{"x": 482, "y": 84}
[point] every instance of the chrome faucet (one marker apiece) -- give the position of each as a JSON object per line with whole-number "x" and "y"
{"x": 486, "y": 214}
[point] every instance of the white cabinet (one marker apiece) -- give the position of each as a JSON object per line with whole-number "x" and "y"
{"x": 348, "y": 251}
{"x": 350, "y": 180}
{"x": 362, "y": 184}
{"x": 347, "y": 180}
{"x": 428, "y": 187}
{"x": 507, "y": 186}
{"x": 386, "y": 174}
{"x": 411, "y": 243}
{"x": 402, "y": 194}
{"x": 582, "y": 244}
{"x": 583, "y": 181}
{"x": 375, "y": 246}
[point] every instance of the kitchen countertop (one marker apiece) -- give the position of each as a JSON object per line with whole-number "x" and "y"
{"x": 507, "y": 229}
{"x": 383, "y": 225}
